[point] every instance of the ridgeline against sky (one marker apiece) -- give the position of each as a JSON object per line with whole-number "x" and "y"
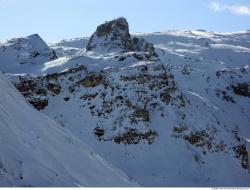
{"x": 56, "y": 20}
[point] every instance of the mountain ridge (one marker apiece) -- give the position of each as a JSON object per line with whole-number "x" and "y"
{"x": 187, "y": 105}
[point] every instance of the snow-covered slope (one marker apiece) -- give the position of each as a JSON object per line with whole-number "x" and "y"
{"x": 158, "y": 133}
{"x": 178, "y": 116}
{"x": 62, "y": 51}
{"x": 198, "y": 37}
{"x": 73, "y": 43}
{"x": 36, "y": 151}
{"x": 22, "y": 54}
{"x": 69, "y": 47}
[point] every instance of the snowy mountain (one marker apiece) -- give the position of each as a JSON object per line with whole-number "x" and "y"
{"x": 168, "y": 109}
{"x": 36, "y": 151}
{"x": 21, "y": 54}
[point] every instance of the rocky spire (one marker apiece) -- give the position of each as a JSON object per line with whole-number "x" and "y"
{"x": 114, "y": 36}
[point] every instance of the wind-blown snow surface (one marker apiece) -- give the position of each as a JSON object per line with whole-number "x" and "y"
{"x": 180, "y": 121}
{"x": 36, "y": 151}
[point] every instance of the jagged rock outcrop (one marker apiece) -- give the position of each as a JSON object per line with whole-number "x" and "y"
{"x": 111, "y": 35}
{"x": 38, "y": 89}
{"x": 114, "y": 36}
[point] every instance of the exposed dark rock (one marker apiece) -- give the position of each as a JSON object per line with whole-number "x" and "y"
{"x": 92, "y": 80}
{"x": 241, "y": 152}
{"x": 121, "y": 58}
{"x": 200, "y": 139}
{"x": 88, "y": 96}
{"x": 242, "y": 89}
{"x": 53, "y": 55}
{"x": 99, "y": 132}
{"x": 180, "y": 129}
{"x": 55, "y": 88}
{"x": 138, "y": 56}
{"x": 224, "y": 95}
{"x": 197, "y": 137}
{"x": 141, "y": 113}
{"x": 165, "y": 97}
{"x": 142, "y": 45}
{"x": 114, "y": 36}
{"x": 132, "y": 136}
{"x": 66, "y": 99}
{"x": 224, "y": 72}
{"x": 39, "y": 104}
{"x": 32, "y": 89}
{"x": 34, "y": 54}
{"x": 29, "y": 87}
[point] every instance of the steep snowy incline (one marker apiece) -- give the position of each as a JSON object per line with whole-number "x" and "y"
{"x": 36, "y": 151}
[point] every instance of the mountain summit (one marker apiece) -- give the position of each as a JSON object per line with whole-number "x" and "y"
{"x": 114, "y": 36}
{"x": 20, "y": 53}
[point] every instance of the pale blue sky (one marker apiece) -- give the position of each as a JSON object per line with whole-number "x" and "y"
{"x": 60, "y": 19}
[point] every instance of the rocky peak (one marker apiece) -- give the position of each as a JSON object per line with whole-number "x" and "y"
{"x": 113, "y": 36}
{"x": 114, "y": 27}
